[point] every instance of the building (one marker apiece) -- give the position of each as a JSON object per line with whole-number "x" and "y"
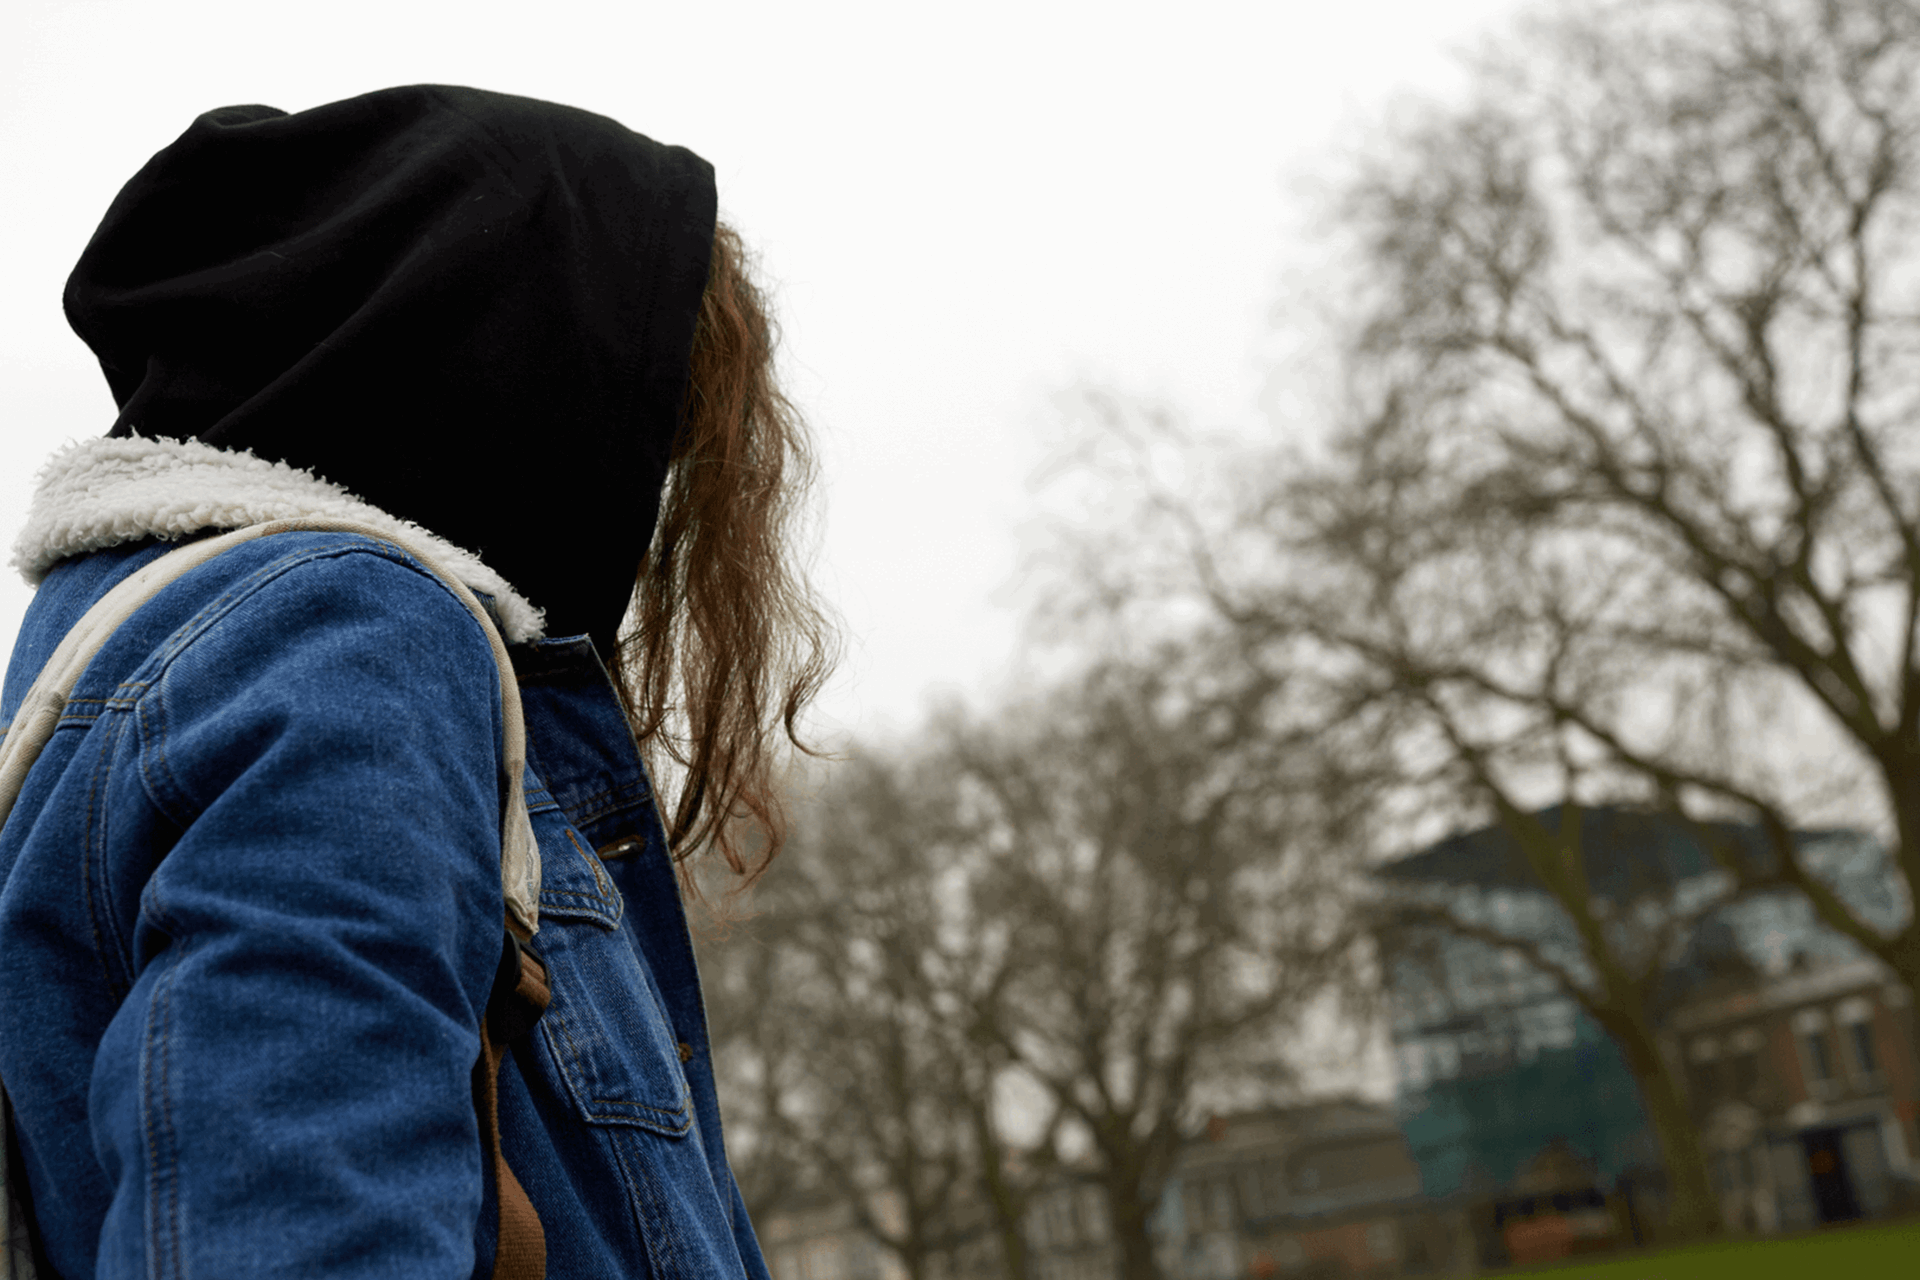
{"x": 1328, "y": 1189}
{"x": 1068, "y": 1231}
{"x": 1493, "y": 1059}
{"x": 1496, "y": 1062}
{"x": 1555, "y": 1208}
{"x": 1325, "y": 1190}
{"x": 1804, "y": 1087}
{"x": 817, "y": 1237}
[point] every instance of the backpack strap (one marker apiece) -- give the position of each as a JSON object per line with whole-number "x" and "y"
{"x": 512, "y": 1007}
{"x": 520, "y": 996}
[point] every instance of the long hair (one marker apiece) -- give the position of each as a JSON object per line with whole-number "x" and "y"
{"x": 727, "y": 642}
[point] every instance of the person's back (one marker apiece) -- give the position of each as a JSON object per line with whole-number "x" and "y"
{"x": 252, "y": 914}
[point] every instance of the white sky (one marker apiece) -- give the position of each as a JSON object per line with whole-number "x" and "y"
{"x": 965, "y": 210}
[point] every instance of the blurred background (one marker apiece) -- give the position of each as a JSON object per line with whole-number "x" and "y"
{"x": 1379, "y": 547}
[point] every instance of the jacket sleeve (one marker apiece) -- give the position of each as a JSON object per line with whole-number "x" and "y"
{"x": 286, "y": 1089}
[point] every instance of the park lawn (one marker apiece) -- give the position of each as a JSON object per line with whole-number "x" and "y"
{"x": 1856, "y": 1253}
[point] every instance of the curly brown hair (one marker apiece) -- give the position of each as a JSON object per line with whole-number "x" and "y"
{"x": 727, "y": 642}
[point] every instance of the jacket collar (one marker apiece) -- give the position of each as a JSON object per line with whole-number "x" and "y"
{"x": 101, "y": 493}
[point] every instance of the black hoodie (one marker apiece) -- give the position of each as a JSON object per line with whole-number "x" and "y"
{"x": 472, "y": 310}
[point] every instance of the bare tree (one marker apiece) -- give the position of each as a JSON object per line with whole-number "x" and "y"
{"x": 1065, "y": 929}
{"x": 1150, "y": 860}
{"x": 858, "y": 1005}
{"x": 1447, "y": 634}
{"x": 852, "y": 1074}
{"x": 1628, "y": 504}
{"x": 760, "y": 1056}
{"x": 1642, "y": 331}
{"x": 1634, "y": 503}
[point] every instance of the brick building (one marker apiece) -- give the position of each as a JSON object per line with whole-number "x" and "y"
{"x": 1495, "y": 1060}
{"x": 1804, "y": 1087}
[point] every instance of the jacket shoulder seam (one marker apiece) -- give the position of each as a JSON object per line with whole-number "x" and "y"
{"x": 163, "y": 788}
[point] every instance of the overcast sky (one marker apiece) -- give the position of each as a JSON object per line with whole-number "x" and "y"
{"x": 964, "y": 210}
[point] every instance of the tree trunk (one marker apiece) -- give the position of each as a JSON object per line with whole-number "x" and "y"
{"x": 1901, "y": 769}
{"x": 1008, "y": 1205}
{"x": 910, "y": 1246}
{"x": 1013, "y": 1249}
{"x": 1693, "y": 1210}
{"x": 1132, "y": 1244}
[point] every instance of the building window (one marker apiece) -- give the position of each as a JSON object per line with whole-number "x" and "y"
{"x": 1413, "y": 1066}
{"x": 1743, "y": 1073}
{"x": 1860, "y": 1040}
{"x": 1273, "y": 1184}
{"x": 1819, "y": 1057}
{"x": 1093, "y": 1214}
{"x": 1854, "y": 1019}
{"x": 1819, "y": 1060}
{"x": 1222, "y": 1205}
{"x": 1816, "y": 1052}
{"x": 1252, "y": 1202}
{"x": 1210, "y": 1206}
{"x": 1060, "y": 1218}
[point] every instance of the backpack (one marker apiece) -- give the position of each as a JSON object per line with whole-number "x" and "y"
{"x": 520, "y": 991}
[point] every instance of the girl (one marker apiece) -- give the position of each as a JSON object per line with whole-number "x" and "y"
{"x": 253, "y": 914}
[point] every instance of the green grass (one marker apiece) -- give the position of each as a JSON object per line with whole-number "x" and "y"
{"x": 1855, "y": 1253}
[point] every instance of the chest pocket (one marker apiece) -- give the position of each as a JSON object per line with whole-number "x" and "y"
{"x": 606, "y": 1031}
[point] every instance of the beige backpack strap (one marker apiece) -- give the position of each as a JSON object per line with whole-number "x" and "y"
{"x": 40, "y": 711}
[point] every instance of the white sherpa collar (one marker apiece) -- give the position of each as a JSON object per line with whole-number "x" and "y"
{"x": 100, "y": 493}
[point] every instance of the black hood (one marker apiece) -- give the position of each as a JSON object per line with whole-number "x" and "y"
{"x": 472, "y": 310}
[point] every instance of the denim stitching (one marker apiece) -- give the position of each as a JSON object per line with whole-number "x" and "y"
{"x": 572, "y": 1053}
{"x": 679, "y": 1109}
{"x": 598, "y": 905}
{"x": 121, "y": 953}
{"x": 166, "y": 793}
{"x": 190, "y": 631}
{"x": 576, "y": 1057}
{"x": 162, "y": 1170}
{"x": 602, "y": 883}
{"x": 196, "y": 626}
{"x": 92, "y": 848}
{"x": 634, "y": 1200}
{"x": 125, "y": 697}
{"x": 613, "y": 800}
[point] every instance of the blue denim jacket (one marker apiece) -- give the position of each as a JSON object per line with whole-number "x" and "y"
{"x": 250, "y": 920}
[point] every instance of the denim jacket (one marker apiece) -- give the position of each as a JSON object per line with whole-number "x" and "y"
{"x": 251, "y": 914}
